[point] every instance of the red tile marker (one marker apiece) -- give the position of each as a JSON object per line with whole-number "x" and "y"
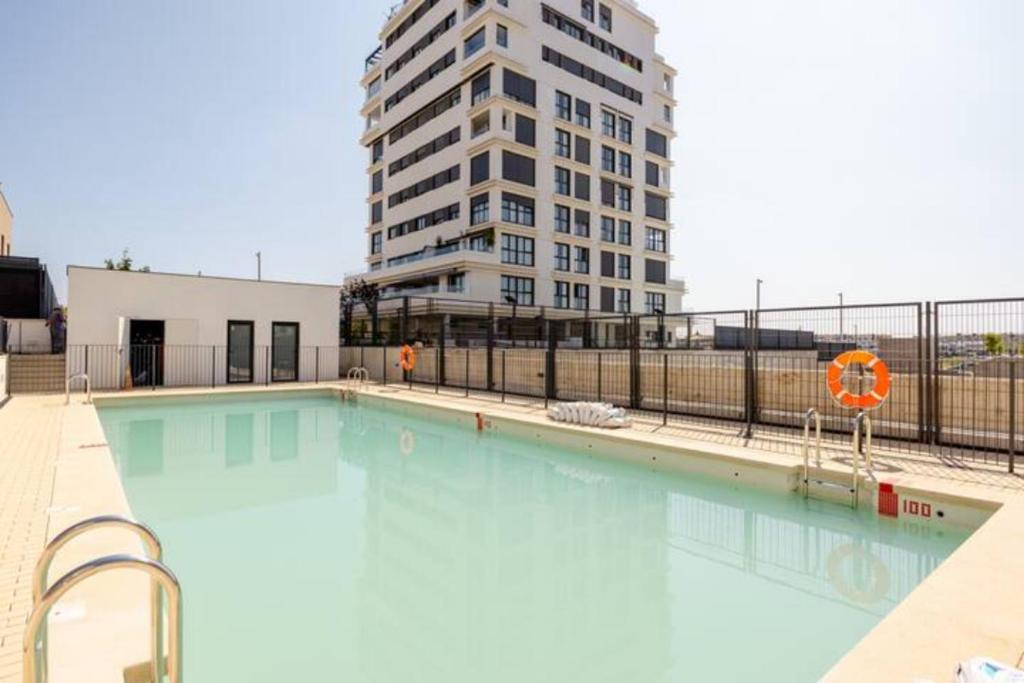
{"x": 888, "y": 501}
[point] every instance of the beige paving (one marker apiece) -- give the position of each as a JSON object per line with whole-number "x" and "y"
{"x": 55, "y": 469}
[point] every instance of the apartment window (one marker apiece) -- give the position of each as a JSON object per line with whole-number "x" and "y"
{"x": 435, "y": 217}
{"x": 607, "y": 123}
{"x": 457, "y": 282}
{"x": 502, "y": 36}
{"x": 561, "y": 257}
{"x": 581, "y": 223}
{"x": 625, "y": 164}
{"x": 423, "y": 151}
{"x": 582, "y": 113}
{"x": 581, "y": 296}
{"x": 666, "y": 113}
{"x": 376, "y": 242}
{"x": 625, "y": 198}
{"x": 656, "y": 206}
{"x": 419, "y": 46}
{"x": 582, "y": 260}
{"x": 562, "y": 143}
{"x": 376, "y": 212}
{"x": 652, "y": 174}
{"x": 626, "y": 130}
{"x": 518, "y": 288}
{"x": 655, "y": 271}
{"x": 373, "y": 88}
{"x": 666, "y": 82}
{"x": 607, "y": 229}
{"x": 605, "y": 17}
{"x": 623, "y": 266}
{"x": 480, "y": 125}
{"x": 607, "y": 299}
{"x": 421, "y": 79}
{"x": 480, "y": 242}
{"x": 657, "y": 143}
{"x": 583, "y": 187}
{"x": 607, "y": 159}
{"x": 622, "y": 303}
{"x": 409, "y": 21}
{"x": 427, "y": 114}
{"x": 579, "y": 32}
{"x": 517, "y": 168}
{"x": 480, "y": 168}
{"x": 561, "y": 218}
{"x": 561, "y": 181}
{"x": 563, "y": 106}
{"x": 587, "y": 9}
{"x": 561, "y": 294}
{"x": 625, "y": 233}
{"x": 607, "y": 193}
{"x": 516, "y": 209}
{"x": 582, "y": 150}
{"x": 654, "y": 302}
{"x": 519, "y": 87}
{"x": 474, "y": 43}
{"x": 376, "y": 151}
{"x": 517, "y": 250}
{"x": 655, "y": 240}
{"x": 607, "y": 264}
{"x": 377, "y": 182}
{"x": 479, "y": 209}
{"x": 480, "y": 88}
{"x": 588, "y": 73}
{"x": 526, "y": 130}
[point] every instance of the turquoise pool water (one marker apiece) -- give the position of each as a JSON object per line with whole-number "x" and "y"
{"x": 320, "y": 541}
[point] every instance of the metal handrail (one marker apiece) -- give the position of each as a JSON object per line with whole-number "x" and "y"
{"x": 812, "y": 414}
{"x": 153, "y": 551}
{"x": 358, "y": 374}
{"x": 861, "y": 419}
{"x": 67, "y": 387}
{"x": 158, "y": 574}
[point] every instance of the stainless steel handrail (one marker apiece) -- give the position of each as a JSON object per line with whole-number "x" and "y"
{"x": 67, "y": 387}
{"x": 153, "y": 551}
{"x": 861, "y": 419}
{"x": 812, "y": 414}
{"x": 157, "y": 572}
{"x": 358, "y": 374}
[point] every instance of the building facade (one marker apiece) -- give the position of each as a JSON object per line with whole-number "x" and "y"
{"x": 6, "y": 225}
{"x": 520, "y": 151}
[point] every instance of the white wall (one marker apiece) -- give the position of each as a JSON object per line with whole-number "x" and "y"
{"x": 28, "y": 335}
{"x": 196, "y": 311}
{"x": 3, "y": 377}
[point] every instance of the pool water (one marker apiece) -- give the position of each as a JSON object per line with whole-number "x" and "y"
{"x": 319, "y": 540}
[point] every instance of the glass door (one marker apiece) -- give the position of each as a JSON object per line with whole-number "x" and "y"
{"x": 284, "y": 358}
{"x": 240, "y": 351}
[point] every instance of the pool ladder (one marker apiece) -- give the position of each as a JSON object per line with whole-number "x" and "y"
{"x": 357, "y": 376}
{"x": 67, "y": 387}
{"x": 162, "y": 581}
{"x": 860, "y": 423}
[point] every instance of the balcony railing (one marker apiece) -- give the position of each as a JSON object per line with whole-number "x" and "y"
{"x": 434, "y": 252}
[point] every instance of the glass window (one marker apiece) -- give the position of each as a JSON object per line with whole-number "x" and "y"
{"x": 561, "y": 294}
{"x": 625, "y": 164}
{"x": 607, "y": 123}
{"x": 625, "y": 233}
{"x": 581, "y": 296}
{"x": 561, "y": 181}
{"x": 563, "y": 106}
{"x": 516, "y": 209}
{"x": 479, "y": 209}
{"x": 654, "y": 301}
{"x": 622, "y": 302}
{"x": 582, "y": 113}
{"x": 607, "y": 159}
{"x": 582, "y": 223}
{"x": 655, "y": 240}
{"x": 481, "y": 88}
{"x": 562, "y": 143}
{"x": 561, "y": 257}
{"x": 516, "y": 250}
{"x": 607, "y": 229}
{"x": 625, "y": 198}
{"x": 474, "y": 43}
{"x": 582, "y": 260}
{"x": 605, "y": 17}
{"x": 626, "y": 130}
{"x": 518, "y": 288}
{"x": 284, "y": 355}
{"x": 623, "y": 267}
{"x": 480, "y": 168}
{"x": 502, "y": 36}
{"x": 376, "y": 242}
{"x": 561, "y": 218}
{"x": 240, "y": 351}
{"x": 457, "y": 282}
{"x": 587, "y": 9}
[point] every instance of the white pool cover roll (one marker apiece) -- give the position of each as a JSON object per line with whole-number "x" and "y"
{"x": 590, "y": 414}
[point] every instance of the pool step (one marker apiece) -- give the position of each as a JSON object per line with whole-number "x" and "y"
{"x": 829, "y": 485}
{"x": 36, "y": 373}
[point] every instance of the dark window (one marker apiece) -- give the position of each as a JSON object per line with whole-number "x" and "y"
{"x": 479, "y": 209}
{"x": 408, "y": 22}
{"x": 625, "y": 131}
{"x": 582, "y": 113}
{"x": 561, "y": 257}
{"x": 561, "y": 294}
{"x": 376, "y": 212}
{"x": 376, "y": 150}
{"x": 436, "y": 217}
{"x": 587, "y": 9}
{"x": 582, "y": 223}
{"x": 563, "y": 106}
{"x": 608, "y": 299}
{"x": 420, "y": 79}
{"x": 625, "y": 164}
{"x": 428, "y": 113}
{"x": 590, "y": 74}
{"x": 562, "y": 143}
{"x": 607, "y": 159}
{"x": 284, "y": 354}
{"x": 654, "y": 301}
{"x": 625, "y": 198}
{"x": 474, "y": 43}
{"x": 526, "y": 130}
{"x": 517, "y": 168}
{"x": 480, "y": 168}
{"x": 654, "y": 271}
{"x": 561, "y": 181}
{"x": 625, "y": 232}
{"x": 657, "y": 143}
{"x": 376, "y": 242}
{"x": 424, "y": 186}
{"x": 605, "y": 17}
{"x": 480, "y": 88}
{"x": 581, "y": 295}
{"x": 517, "y": 250}
{"x": 653, "y": 173}
{"x": 423, "y": 151}
{"x": 582, "y": 187}
{"x": 624, "y": 267}
{"x": 607, "y": 193}
{"x": 419, "y": 46}
{"x": 582, "y": 260}
{"x": 582, "y": 150}
{"x": 655, "y": 206}
{"x": 607, "y": 123}
{"x": 517, "y": 209}
{"x": 655, "y": 240}
{"x": 519, "y": 288}
{"x": 607, "y": 264}
{"x": 240, "y": 351}
{"x": 501, "y": 35}
{"x": 519, "y": 87}
{"x": 623, "y": 304}
{"x": 607, "y": 229}
{"x": 561, "y": 218}
{"x": 580, "y": 33}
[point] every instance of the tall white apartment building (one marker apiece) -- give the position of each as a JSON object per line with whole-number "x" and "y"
{"x": 519, "y": 149}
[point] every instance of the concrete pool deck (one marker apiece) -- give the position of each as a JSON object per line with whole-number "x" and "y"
{"x": 56, "y": 469}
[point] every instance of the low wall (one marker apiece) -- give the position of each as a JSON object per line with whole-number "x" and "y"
{"x": 28, "y": 335}
{"x": 4, "y": 391}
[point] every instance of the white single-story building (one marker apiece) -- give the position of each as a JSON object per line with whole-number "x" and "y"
{"x": 130, "y": 328}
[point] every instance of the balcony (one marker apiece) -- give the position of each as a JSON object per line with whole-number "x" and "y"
{"x": 373, "y": 59}
{"x": 471, "y": 244}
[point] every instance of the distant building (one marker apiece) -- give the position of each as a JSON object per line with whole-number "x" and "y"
{"x": 26, "y": 291}
{"x": 6, "y": 225}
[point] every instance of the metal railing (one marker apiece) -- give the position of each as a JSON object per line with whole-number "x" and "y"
{"x": 67, "y": 387}
{"x": 44, "y": 597}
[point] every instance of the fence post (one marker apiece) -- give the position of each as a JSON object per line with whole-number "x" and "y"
{"x": 503, "y": 352}
{"x": 213, "y": 367}
{"x": 634, "y": 362}
{"x": 316, "y": 376}
{"x": 87, "y": 361}
{"x": 490, "y": 346}
{"x": 599, "y": 376}
{"x": 664, "y": 390}
{"x": 920, "y": 380}
{"x": 748, "y": 374}
{"x": 441, "y": 353}
{"x": 266, "y": 355}
{"x": 152, "y": 366}
{"x": 550, "y": 390}
{"x": 936, "y": 380}
{"x": 1013, "y": 412}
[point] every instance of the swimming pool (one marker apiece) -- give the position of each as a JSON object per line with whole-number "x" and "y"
{"x": 317, "y": 539}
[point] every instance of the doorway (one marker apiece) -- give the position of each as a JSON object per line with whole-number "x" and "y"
{"x": 146, "y": 352}
{"x": 285, "y": 352}
{"x": 240, "y": 351}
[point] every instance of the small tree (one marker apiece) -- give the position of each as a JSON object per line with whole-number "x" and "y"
{"x": 123, "y": 263}
{"x": 994, "y": 344}
{"x": 359, "y": 291}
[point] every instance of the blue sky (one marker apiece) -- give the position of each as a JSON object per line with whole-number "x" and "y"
{"x": 872, "y": 147}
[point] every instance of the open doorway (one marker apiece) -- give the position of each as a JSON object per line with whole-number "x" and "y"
{"x": 146, "y": 343}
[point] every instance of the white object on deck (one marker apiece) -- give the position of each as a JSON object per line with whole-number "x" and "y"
{"x": 590, "y": 414}
{"x": 985, "y": 670}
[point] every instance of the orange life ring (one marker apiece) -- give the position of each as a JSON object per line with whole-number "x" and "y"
{"x": 407, "y": 358}
{"x": 869, "y": 400}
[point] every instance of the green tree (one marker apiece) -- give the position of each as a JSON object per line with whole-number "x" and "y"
{"x": 994, "y": 344}
{"x": 123, "y": 263}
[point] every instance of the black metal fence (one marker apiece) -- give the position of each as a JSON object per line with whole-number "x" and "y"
{"x": 957, "y": 366}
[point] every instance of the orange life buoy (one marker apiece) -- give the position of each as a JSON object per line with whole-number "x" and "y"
{"x": 866, "y": 401}
{"x": 407, "y": 358}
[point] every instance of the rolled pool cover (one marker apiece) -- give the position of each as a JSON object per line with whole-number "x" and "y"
{"x": 590, "y": 414}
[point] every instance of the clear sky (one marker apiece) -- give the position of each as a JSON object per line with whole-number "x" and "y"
{"x": 873, "y": 147}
